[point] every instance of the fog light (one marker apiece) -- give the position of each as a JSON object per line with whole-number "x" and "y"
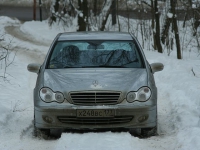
{"x": 47, "y": 119}
{"x": 143, "y": 118}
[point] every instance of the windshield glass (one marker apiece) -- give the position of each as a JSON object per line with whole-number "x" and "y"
{"x": 86, "y": 54}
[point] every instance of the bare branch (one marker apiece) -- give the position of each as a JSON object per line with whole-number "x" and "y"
{"x": 5, "y": 59}
{"x": 144, "y": 2}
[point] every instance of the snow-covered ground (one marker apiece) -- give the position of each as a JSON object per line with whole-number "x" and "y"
{"x": 178, "y": 99}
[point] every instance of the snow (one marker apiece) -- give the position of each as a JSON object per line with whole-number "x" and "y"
{"x": 178, "y": 99}
{"x": 81, "y": 14}
{"x": 169, "y": 15}
{"x": 196, "y": 70}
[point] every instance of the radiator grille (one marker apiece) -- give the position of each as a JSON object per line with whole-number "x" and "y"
{"x": 95, "y": 98}
{"x": 95, "y": 121}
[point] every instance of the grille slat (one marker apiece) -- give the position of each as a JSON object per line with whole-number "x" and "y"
{"x": 95, "y": 121}
{"x": 95, "y": 97}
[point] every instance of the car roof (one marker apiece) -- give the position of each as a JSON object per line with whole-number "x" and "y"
{"x": 95, "y": 35}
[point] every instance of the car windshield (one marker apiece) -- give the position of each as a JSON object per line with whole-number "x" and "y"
{"x": 94, "y": 54}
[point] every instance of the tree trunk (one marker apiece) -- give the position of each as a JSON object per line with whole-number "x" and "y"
{"x": 106, "y": 11}
{"x": 95, "y": 7}
{"x": 176, "y": 30}
{"x": 56, "y": 7}
{"x": 153, "y": 24}
{"x": 186, "y": 15}
{"x": 157, "y": 18}
{"x": 72, "y": 11}
{"x": 34, "y": 9}
{"x": 128, "y": 17}
{"x": 165, "y": 30}
{"x": 119, "y": 26}
{"x": 113, "y": 10}
{"x": 83, "y": 17}
{"x": 196, "y": 16}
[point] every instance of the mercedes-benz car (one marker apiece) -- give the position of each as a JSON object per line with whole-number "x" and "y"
{"x": 95, "y": 80}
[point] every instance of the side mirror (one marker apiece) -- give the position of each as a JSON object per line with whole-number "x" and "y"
{"x": 33, "y": 68}
{"x": 155, "y": 67}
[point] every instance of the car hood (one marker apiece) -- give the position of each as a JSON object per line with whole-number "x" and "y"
{"x": 125, "y": 79}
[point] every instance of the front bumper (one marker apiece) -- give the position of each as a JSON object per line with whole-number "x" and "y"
{"x": 125, "y": 117}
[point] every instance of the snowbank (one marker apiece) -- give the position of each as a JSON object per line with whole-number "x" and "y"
{"x": 42, "y": 30}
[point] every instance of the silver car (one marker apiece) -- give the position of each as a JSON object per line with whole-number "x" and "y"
{"x": 95, "y": 80}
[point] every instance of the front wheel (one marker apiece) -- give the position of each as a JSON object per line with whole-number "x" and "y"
{"x": 42, "y": 133}
{"x": 144, "y": 132}
{"x": 147, "y": 132}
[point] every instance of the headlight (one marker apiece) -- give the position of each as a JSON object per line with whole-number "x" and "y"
{"x": 47, "y": 95}
{"x": 142, "y": 95}
{"x": 59, "y": 97}
{"x": 131, "y": 97}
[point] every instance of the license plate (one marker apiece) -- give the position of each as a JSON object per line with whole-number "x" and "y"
{"x": 95, "y": 112}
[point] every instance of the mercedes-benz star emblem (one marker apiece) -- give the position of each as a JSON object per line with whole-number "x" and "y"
{"x": 95, "y": 83}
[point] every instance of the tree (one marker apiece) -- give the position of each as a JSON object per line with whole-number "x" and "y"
{"x": 83, "y": 15}
{"x": 64, "y": 10}
{"x": 105, "y": 13}
{"x": 61, "y": 11}
{"x": 113, "y": 8}
{"x": 157, "y": 33}
{"x": 153, "y": 23}
{"x": 171, "y": 21}
{"x": 54, "y": 11}
{"x": 176, "y": 32}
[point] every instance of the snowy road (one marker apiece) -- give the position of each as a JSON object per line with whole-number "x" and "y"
{"x": 178, "y": 102}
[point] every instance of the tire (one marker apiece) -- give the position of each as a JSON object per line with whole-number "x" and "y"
{"x": 41, "y": 133}
{"x": 46, "y": 134}
{"x": 148, "y": 132}
{"x": 144, "y": 132}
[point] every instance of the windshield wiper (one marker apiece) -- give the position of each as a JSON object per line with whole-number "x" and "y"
{"x": 72, "y": 67}
{"x": 100, "y": 66}
{"x": 112, "y": 66}
{"x": 103, "y": 66}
